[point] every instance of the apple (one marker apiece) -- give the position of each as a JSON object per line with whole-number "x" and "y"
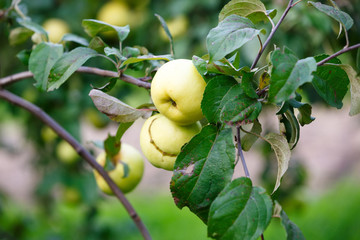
{"x": 128, "y": 156}
{"x": 161, "y": 140}
{"x": 56, "y": 29}
{"x": 114, "y": 13}
{"x": 66, "y": 153}
{"x": 177, "y": 90}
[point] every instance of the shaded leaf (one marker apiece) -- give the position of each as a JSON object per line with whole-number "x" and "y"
{"x": 70, "y": 37}
{"x": 304, "y": 115}
{"x": 200, "y": 65}
{"x": 108, "y": 86}
{"x": 240, "y": 211}
{"x": 248, "y": 85}
{"x": 338, "y": 15}
{"x": 19, "y": 35}
{"x": 98, "y": 44}
{"x": 252, "y": 9}
{"x": 33, "y": 27}
{"x": 289, "y": 126}
{"x": 240, "y": 110}
{"x": 42, "y": 59}
{"x": 111, "y": 51}
{"x": 67, "y": 65}
{"x": 223, "y": 66}
{"x": 233, "y": 32}
{"x": 115, "y": 109}
{"x": 145, "y": 58}
{"x": 94, "y": 27}
{"x": 202, "y": 169}
{"x": 287, "y": 74}
{"x": 282, "y": 151}
{"x": 354, "y": 89}
{"x": 293, "y": 232}
{"x": 331, "y": 81}
{"x": 249, "y": 139}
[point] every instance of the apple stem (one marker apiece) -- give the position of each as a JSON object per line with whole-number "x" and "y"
{"x": 44, "y": 117}
{"x": 240, "y": 152}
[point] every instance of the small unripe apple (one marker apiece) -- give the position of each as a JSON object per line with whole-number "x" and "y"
{"x": 56, "y": 29}
{"x": 129, "y": 158}
{"x": 66, "y": 153}
{"x": 177, "y": 90}
{"x": 161, "y": 140}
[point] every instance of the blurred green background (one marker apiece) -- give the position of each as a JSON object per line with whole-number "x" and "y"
{"x": 65, "y": 203}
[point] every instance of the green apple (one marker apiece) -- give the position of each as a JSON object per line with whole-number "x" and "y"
{"x": 128, "y": 156}
{"x": 161, "y": 140}
{"x": 177, "y": 90}
{"x": 66, "y": 153}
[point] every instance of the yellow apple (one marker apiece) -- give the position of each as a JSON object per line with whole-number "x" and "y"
{"x": 177, "y": 90}
{"x": 66, "y": 153}
{"x": 161, "y": 140}
{"x": 135, "y": 163}
{"x": 114, "y": 13}
{"x": 56, "y": 29}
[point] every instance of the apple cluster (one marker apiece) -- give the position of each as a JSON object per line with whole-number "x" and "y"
{"x": 176, "y": 90}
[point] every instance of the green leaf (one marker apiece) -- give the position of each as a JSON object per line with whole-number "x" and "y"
{"x": 41, "y": 60}
{"x": 94, "y": 27}
{"x": 202, "y": 169}
{"x": 167, "y": 32}
{"x": 293, "y": 232}
{"x": 282, "y": 151}
{"x": 338, "y": 15}
{"x": 304, "y": 115}
{"x": 331, "y": 81}
{"x": 67, "y": 65}
{"x": 241, "y": 211}
{"x": 115, "y": 109}
{"x": 252, "y": 9}
{"x": 122, "y": 129}
{"x": 248, "y": 85}
{"x": 358, "y": 60}
{"x": 112, "y": 146}
{"x": 19, "y": 35}
{"x": 233, "y": 32}
{"x": 287, "y": 74}
{"x": 108, "y": 86}
{"x": 249, "y": 139}
{"x": 111, "y": 51}
{"x": 289, "y": 126}
{"x": 33, "y": 27}
{"x": 24, "y": 56}
{"x": 70, "y": 37}
{"x": 98, "y": 44}
{"x": 145, "y": 58}
{"x": 354, "y": 89}
{"x": 200, "y": 65}
{"x": 223, "y": 66}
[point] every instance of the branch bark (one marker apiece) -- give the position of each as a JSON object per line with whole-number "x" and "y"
{"x": 344, "y": 50}
{"x": 289, "y": 6}
{"x": 96, "y": 71}
{"x": 40, "y": 114}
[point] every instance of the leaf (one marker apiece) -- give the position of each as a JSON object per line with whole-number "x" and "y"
{"x": 354, "y": 89}
{"x": 93, "y": 27}
{"x": 108, "y": 86}
{"x": 304, "y": 115}
{"x": 290, "y": 126}
{"x": 67, "y": 65}
{"x": 252, "y": 9}
{"x": 115, "y": 109}
{"x": 41, "y": 60}
{"x": 19, "y": 35}
{"x": 167, "y": 32}
{"x": 249, "y": 139}
{"x": 145, "y": 58}
{"x": 331, "y": 81}
{"x": 233, "y": 32}
{"x": 218, "y": 91}
{"x": 282, "y": 151}
{"x": 70, "y": 37}
{"x": 338, "y": 15}
{"x": 248, "y": 85}
{"x": 33, "y": 27}
{"x": 223, "y": 66}
{"x": 24, "y": 56}
{"x": 293, "y": 232}
{"x": 111, "y": 51}
{"x": 200, "y": 65}
{"x": 98, "y": 45}
{"x": 287, "y": 74}
{"x": 358, "y": 59}
{"x": 240, "y": 211}
{"x": 202, "y": 169}
{"x": 264, "y": 80}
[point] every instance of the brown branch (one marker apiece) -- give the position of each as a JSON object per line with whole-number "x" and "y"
{"x": 96, "y": 71}
{"x": 272, "y": 33}
{"x": 40, "y": 114}
{"x": 344, "y": 50}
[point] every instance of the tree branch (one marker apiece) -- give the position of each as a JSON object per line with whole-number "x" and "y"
{"x": 240, "y": 152}
{"x": 96, "y": 71}
{"x": 338, "y": 53}
{"x": 289, "y": 6}
{"x": 40, "y": 114}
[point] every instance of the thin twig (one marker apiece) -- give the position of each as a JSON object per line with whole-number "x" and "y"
{"x": 296, "y": 3}
{"x": 240, "y": 152}
{"x": 272, "y": 33}
{"x": 40, "y": 114}
{"x": 96, "y": 71}
{"x": 338, "y": 53}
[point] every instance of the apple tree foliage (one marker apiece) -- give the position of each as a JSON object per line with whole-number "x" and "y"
{"x": 235, "y": 96}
